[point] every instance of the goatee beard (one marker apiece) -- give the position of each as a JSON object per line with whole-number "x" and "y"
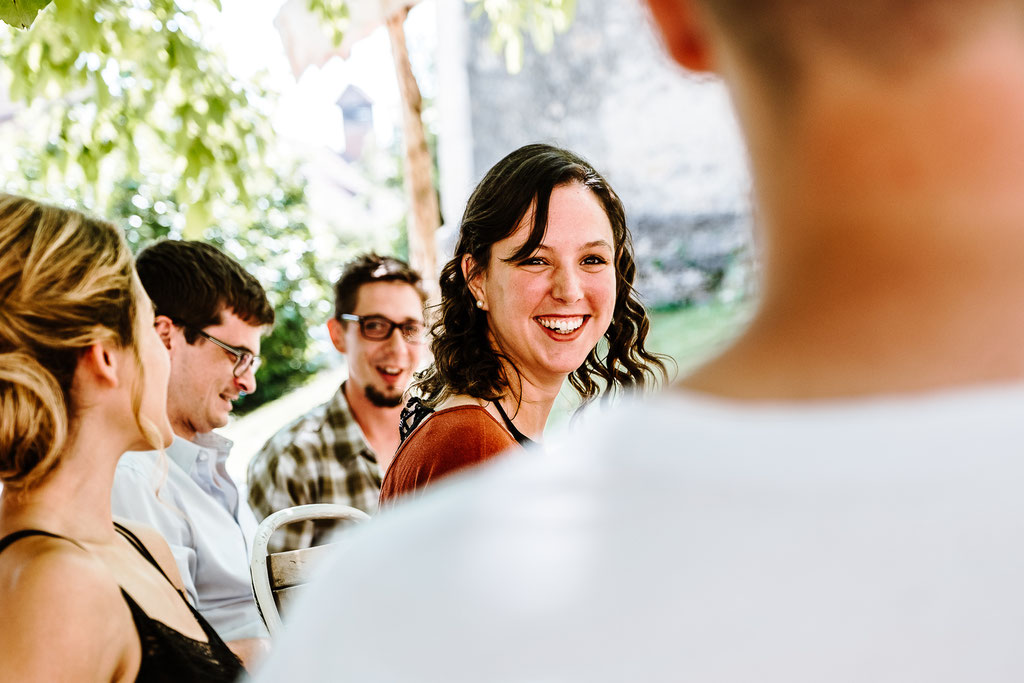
{"x": 380, "y": 399}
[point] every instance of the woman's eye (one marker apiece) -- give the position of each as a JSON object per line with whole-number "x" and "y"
{"x": 595, "y": 261}
{"x": 532, "y": 261}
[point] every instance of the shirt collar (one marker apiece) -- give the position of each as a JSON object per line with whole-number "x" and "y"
{"x": 184, "y": 452}
{"x": 339, "y": 403}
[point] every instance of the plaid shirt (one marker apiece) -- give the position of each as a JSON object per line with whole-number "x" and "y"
{"x": 320, "y": 458}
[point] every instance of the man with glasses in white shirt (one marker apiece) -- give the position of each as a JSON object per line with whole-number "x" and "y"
{"x": 339, "y": 451}
{"x": 210, "y": 314}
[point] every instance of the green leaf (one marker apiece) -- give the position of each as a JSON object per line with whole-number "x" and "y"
{"x": 217, "y": 109}
{"x": 510, "y": 19}
{"x": 20, "y": 13}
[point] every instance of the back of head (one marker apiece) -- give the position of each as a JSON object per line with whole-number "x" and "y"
{"x": 66, "y": 283}
{"x": 782, "y": 37}
{"x": 369, "y": 268}
{"x": 192, "y": 282}
{"x": 881, "y": 135}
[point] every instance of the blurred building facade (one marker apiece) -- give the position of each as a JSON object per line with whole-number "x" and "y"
{"x": 667, "y": 141}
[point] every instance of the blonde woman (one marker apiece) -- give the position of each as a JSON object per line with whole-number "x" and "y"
{"x": 83, "y": 378}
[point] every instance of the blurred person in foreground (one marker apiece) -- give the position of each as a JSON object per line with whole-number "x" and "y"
{"x": 542, "y": 273}
{"x": 83, "y": 377}
{"x": 210, "y": 315}
{"x": 837, "y": 497}
{"x": 339, "y": 451}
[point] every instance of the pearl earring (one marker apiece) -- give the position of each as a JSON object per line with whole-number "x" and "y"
{"x": 479, "y": 304}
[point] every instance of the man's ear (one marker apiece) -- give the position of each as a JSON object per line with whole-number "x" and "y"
{"x": 164, "y": 327}
{"x": 336, "y": 329}
{"x": 475, "y": 283}
{"x": 685, "y": 31}
{"x": 100, "y": 364}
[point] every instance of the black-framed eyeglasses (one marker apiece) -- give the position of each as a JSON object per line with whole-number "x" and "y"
{"x": 243, "y": 359}
{"x": 379, "y": 328}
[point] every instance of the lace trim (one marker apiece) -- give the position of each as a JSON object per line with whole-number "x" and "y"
{"x": 413, "y": 414}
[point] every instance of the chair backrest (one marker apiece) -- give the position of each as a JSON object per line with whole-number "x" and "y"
{"x": 276, "y": 576}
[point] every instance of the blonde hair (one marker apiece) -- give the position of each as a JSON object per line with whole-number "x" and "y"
{"x": 66, "y": 282}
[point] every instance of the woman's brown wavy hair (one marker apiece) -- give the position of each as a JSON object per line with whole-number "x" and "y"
{"x": 465, "y": 361}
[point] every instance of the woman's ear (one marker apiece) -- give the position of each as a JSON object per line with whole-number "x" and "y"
{"x": 99, "y": 363}
{"x": 475, "y": 282}
{"x": 685, "y": 31}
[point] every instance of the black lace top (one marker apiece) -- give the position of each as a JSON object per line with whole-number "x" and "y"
{"x": 167, "y": 655}
{"x": 413, "y": 414}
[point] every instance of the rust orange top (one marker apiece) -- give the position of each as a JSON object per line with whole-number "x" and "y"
{"x": 448, "y": 441}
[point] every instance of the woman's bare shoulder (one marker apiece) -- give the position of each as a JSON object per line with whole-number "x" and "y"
{"x": 157, "y": 546}
{"x": 34, "y": 560}
{"x": 58, "y": 598}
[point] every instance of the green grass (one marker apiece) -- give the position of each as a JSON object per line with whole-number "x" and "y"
{"x": 691, "y": 335}
{"x": 687, "y": 335}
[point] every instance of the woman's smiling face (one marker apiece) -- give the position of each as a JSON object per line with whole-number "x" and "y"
{"x": 547, "y": 311}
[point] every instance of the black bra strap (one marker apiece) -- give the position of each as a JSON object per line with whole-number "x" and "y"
{"x": 24, "y": 533}
{"x": 520, "y": 438}
{"x": 137, "y": 544}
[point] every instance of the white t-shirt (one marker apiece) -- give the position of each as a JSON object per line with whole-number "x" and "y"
{"x": 689, "y": 539}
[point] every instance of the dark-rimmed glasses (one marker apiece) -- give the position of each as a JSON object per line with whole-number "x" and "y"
{"x": 243, "y": 359}
{"x": 379, "y": 328}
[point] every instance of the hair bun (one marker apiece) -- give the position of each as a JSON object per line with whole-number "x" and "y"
{"x": 33, "y": 420}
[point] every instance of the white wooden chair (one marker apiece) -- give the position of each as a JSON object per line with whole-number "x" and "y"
{"x": 277, "y": 576}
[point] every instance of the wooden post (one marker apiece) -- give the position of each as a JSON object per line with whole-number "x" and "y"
{"x": 424, "y": 213}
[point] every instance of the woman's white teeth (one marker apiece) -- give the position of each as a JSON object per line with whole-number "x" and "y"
{"x": 562, "y": 325}
{"x": 390, "y": 371}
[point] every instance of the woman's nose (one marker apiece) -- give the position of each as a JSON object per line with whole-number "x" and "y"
{"x": 567, "y": 286}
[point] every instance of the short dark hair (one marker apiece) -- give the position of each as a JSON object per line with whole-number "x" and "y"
{"x": 192, "y": 282}
{"x": 465, "y": 361}
{"x": 369, "y": 268}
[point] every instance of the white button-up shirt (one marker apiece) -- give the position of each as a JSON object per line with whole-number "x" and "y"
{"x": 208, "y": 526}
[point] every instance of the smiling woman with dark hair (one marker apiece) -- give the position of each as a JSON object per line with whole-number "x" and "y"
{"x": 540, "y": 289}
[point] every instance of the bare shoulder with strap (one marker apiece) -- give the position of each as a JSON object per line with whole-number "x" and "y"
{"x": 155, "y": 546}
{"x": 26, "y": 533}
{"x": 58, "y": 598}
